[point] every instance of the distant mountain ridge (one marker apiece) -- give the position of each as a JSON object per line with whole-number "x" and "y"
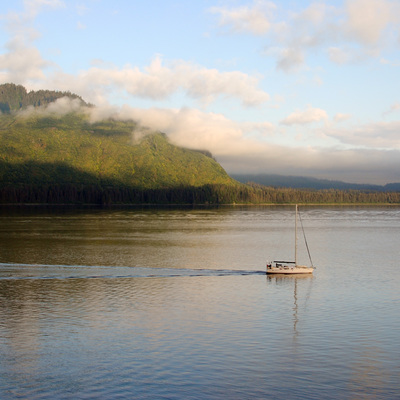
{"x": 15, "y": 97}
{"x": 302, "y": 182}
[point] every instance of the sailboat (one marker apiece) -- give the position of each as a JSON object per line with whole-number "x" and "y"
{"x": 291, "y": 267}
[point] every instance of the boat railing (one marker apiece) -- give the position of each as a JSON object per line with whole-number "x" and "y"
{"x": 285, "y": 262}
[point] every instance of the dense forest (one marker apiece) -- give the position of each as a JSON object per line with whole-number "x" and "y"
{"x": 48, "y": 149}
{"x": 66, "y": 159}
{"x": 210, "y": 194}
{"x": 15, "y": 97}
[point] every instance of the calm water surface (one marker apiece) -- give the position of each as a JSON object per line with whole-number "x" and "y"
{"x": 174, "y": 304}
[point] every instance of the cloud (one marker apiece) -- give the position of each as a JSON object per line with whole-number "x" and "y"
{"x": 61, "y": 106}
{"x": 393, "y": 108}
{"x": 23, "y": 62}
{"x": 33, "y": 7}
{"x": 367, "y": 20}
{"x": 375, "y": 166}
{"x": 158, "y": 82}
{"x": 290, "y": 59}
{"x": 19, "y": 24}
{"x": 385, "y": 61}
{"x": 340, "y": 55}
{"x": 192, "y": 128}
{"x": 155, "y": 82}
{"x": 308, "y": 116}
{"x": 381, "y": 135}
{"x": 255, "y": 19}
{"x": 357, "y": 30}
{"x": 64, "y": 105}
{"x": 339, "y": 117}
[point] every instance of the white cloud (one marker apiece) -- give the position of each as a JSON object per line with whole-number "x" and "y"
{"x": 158, "y": 82}
{"x": 339, "y": 55}
{"x": 264, "y": 129}
{"x": 357, "y": 30}
{"x": 305, "y": 117}
{"x": 64, "y": 105}
{"x": 367, "y": 20}
{"x": 22, "y": 64}
{"x": 193, "y": 128}
{"x": 290, "y": 59}
{"x": 393, "y": 108}
{"x": 376, "y": 166}
{"x": 255, "y": 19}
{"x": 61, "y": 106}
{"x": 19, "y": 23}
{"x": 339, "y": 117}
{"x": 385, "y": 61}
{"x": 377, "y": 135}
{"x": 33, "y": 7}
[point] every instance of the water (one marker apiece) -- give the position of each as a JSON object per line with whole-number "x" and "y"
{"x": 174, "y": 304}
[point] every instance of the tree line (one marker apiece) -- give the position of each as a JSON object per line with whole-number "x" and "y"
{"x": 14, "y": 97}
{"x": 210, "y": 194}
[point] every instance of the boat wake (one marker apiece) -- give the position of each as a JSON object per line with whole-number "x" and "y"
{"x": 18, "y": 271}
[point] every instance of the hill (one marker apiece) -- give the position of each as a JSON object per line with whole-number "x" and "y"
{"x": 302, "y": 182}
{"x": 44, "y": 149}
{"x": 46, "y": 156}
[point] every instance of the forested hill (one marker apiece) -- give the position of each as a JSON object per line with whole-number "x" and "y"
{"x": 53, "y": 155}
{"x": 44, "y": 149}
{"x": 15, "y": 97}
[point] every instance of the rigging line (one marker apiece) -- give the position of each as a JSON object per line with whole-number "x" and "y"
{"x": 305, "y": 239}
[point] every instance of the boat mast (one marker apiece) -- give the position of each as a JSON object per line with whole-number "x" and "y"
{"x": 295, "y": 238}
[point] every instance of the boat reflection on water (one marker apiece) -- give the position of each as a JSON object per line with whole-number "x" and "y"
{"x": 292, "y": 281}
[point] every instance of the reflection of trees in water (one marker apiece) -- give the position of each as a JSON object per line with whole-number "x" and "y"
{"x": 20, "y": 327}
{"x": 37, "y": 312}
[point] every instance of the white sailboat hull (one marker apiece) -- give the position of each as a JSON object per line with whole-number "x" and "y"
{"x": 285, "y": 270}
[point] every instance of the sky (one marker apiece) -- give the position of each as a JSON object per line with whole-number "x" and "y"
{"x": 276, "y": 87}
